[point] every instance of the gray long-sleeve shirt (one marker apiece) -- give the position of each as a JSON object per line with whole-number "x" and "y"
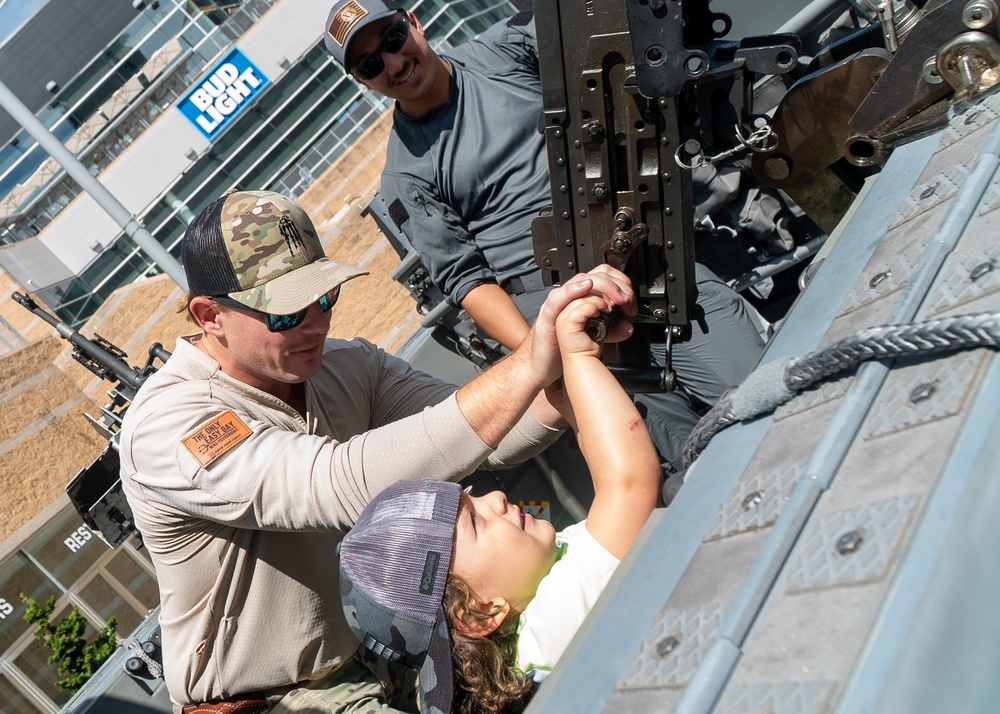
{"x": 244, "y": 545}
{"x": 463, "y": 185}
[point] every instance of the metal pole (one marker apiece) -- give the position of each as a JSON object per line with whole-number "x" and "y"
{"x": 104, "y": 198}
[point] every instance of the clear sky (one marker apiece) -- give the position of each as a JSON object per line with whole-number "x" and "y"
{"x": 15, "y": 12}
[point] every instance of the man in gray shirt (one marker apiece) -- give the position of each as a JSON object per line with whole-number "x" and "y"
{"x": 465, "y": 174}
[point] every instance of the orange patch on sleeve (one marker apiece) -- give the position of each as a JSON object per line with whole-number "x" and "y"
{"x": 214, "y": 438}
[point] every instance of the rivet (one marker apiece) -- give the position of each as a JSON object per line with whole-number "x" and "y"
{"x": 578, "y": 143}
{"x": 569, "y": 242}
{"x": 879, "y": 279}
{"x": 580, "y": 190}
{"x": 565, "y": 214}
{"x": 752, "y": 500}
{"x": 571, "y": 265}
{"x": 981, "y": 270}
{"x": 669, "y": 245}
{"x": 558, "y": 133}
{"x": 673, "y": 309}
{"x": 777, "y": 168}
{"x": 579, "y": 167}
{"x": 922, "y": 392}
{"x": 560, "y": 162}
{"x": 563, "y": 189}
{"x": 668, "y": 211}
{"x": 849, "y": 542}
{"x": 583, "y": 213}
{"x": 667, "y": 645}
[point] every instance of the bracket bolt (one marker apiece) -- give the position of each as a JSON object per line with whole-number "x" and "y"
{"x": 849, "y": 542}
{"x": 667, "y": 645}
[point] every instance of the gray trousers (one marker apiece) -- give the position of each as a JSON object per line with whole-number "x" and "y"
{"x": 715, "y": 359}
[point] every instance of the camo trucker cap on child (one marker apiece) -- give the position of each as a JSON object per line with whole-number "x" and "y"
{"x": 347, "y": 17}
{"x": 393, "y": 569}
{"x": 262, "y": 250}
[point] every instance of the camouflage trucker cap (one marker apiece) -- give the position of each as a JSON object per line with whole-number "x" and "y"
{"x": 260, "y": 249}
{"x": 349, "y": 16}
{"x": 393, "y": 569}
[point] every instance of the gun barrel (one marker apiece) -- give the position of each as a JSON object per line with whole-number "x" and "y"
{"x": 93, "y": 351}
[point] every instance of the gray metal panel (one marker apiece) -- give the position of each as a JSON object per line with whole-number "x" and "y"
{"x": 62, "y": 37}
{"x": 585, "y": 679}
{"x": 33, "y": 265}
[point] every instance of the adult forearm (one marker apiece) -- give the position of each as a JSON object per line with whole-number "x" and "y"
{"x": 496, "y": 399}
{"x": 493, "y": 310}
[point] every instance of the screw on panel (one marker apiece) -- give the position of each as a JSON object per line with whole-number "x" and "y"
{"x": 879, "y": 279}
{"x": 981, "y": 270}
{"x": 977, "y": 14}
{"x": 667, "y": 645}
{"x": 600, "y": 190}
{"x": 849, "y": 542}
{"x": 752, "y": 500}
{"x": 777, "y": 168}
{"x": 930, "y": 71}
{"x": 922, "y": 392}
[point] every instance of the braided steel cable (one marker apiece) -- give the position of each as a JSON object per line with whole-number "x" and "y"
{"x": 775, "y": 383}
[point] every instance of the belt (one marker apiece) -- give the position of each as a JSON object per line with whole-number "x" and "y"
{"x": 251, "y": 705}
{"x": 514, "y": 286}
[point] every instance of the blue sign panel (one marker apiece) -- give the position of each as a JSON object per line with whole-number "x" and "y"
{"x": 226, "y": 90}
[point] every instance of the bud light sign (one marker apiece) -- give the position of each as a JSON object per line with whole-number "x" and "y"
{"x": 226, "y": 90}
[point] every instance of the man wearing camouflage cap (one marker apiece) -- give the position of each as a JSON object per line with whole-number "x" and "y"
{"x": 247, "y": 456}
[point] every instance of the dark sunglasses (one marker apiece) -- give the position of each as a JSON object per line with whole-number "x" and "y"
{"x": 392, "y": 43}
{"x": 280, "y": 323}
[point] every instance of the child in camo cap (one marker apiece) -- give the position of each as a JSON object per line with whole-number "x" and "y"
{"x": 473, "y": 593}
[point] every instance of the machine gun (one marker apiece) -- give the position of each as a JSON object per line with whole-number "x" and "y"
{"x": 96, "y": 490}
{"x": 633, "y": 92}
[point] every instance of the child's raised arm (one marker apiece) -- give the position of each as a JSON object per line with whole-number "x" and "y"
{"x": 623, "y": 462}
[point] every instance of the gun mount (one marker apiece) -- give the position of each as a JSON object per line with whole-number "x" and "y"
{"x": 96, "y": 491}
{"x": 632, "y": 92}
{"x": 886, "y": 84}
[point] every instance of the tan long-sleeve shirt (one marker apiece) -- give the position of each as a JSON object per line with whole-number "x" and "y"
{"x": 241, "y": 503}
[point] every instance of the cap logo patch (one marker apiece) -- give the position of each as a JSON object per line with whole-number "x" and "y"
{"x": 290, "y": 232}
{"x": 345, "y": 20}
{"x": 429, "y": 575}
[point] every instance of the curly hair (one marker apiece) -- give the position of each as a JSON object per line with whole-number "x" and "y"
{"x": 486, "y": 678}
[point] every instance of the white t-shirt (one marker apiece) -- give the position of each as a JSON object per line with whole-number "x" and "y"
{"x": 564, "y": 598}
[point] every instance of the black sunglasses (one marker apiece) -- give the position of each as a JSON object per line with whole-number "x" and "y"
{"x": 280, "y": 323}
{"x": 392, "y": 43}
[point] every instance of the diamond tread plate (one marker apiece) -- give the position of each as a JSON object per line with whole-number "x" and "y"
{"x": 816, "y": 563}
{"x": 896, "y": 274}
{"x": 972, "y": 118}
{"x": 834, "y": 388}
{"x": 926, "y": 196}
{"x": 924, "y": 392}
{"x": 754, "y": 503}
{"x": 692, "y": 630}
{"x": 967, "y": 280}
{"x": 777, "y": 698}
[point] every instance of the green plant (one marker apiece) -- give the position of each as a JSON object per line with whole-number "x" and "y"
{"x": 78, "y": 659}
